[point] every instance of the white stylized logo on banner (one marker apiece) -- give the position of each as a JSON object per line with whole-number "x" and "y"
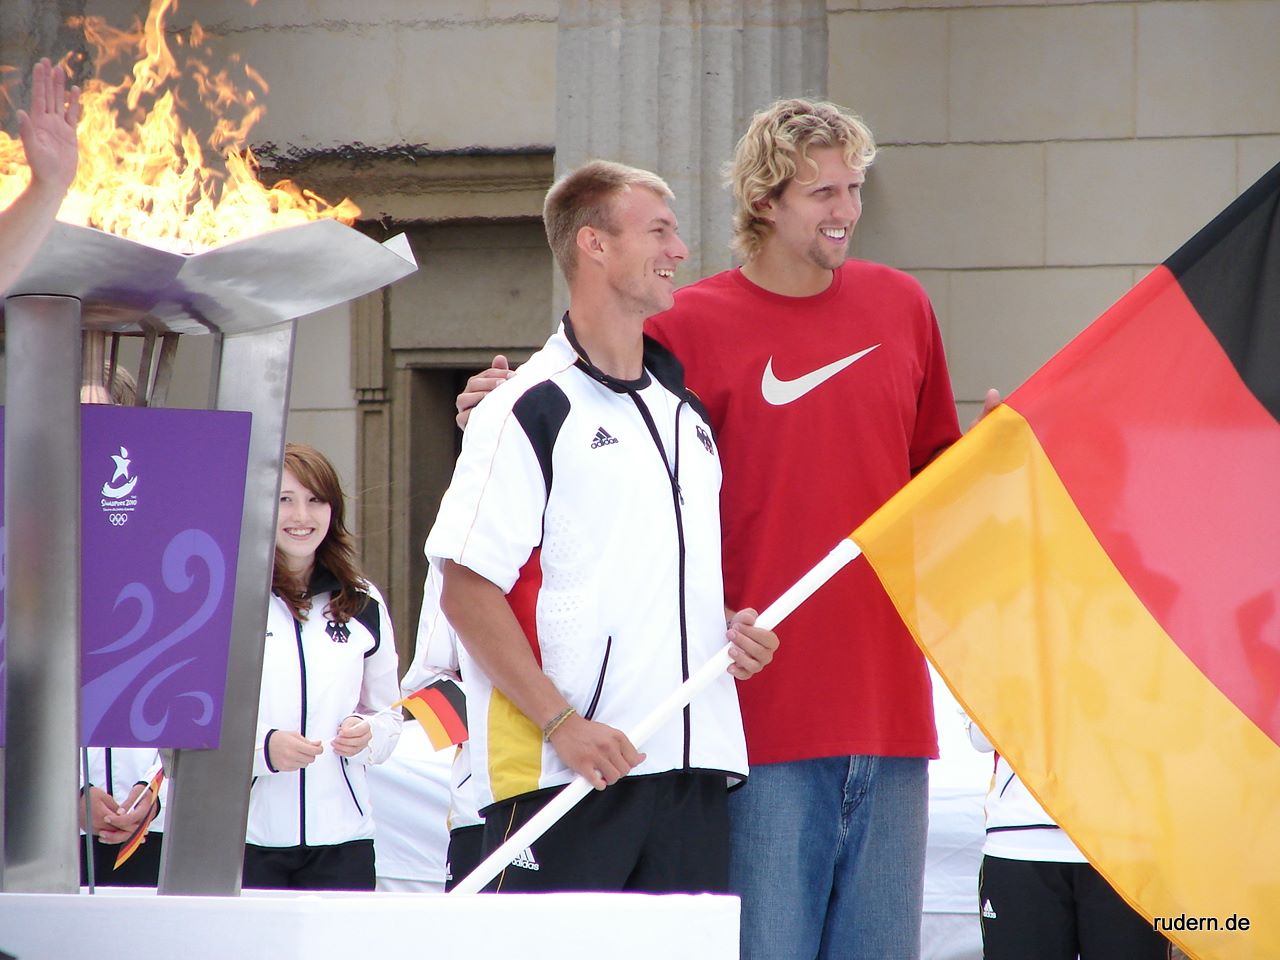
{"x": 117, "y": 493}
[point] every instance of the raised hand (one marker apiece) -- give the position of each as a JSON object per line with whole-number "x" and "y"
{"x": 48, "y": 131}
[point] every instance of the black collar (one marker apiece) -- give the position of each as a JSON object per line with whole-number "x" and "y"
{"x": 616, "y": 384}
{"x": 322, "y": 581}
{"x": 657, "y": 358}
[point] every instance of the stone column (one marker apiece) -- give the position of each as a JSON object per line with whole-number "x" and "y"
{"x": 670, "y": 86}
{"x": 371, "y": 379}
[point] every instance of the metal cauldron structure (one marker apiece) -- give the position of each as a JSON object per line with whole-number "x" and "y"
{"x": 248, "y": 295}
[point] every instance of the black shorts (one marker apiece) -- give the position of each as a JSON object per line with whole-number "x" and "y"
{"x": 338, "y": 866}
{"x": 667, "y": 833}
{"x": 465, "y": 846}
{"x": 1056, "y": 911}
{"x": 140, "y": 870}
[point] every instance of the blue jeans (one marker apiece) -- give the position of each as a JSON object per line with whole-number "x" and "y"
{"x": 828, "y": 858}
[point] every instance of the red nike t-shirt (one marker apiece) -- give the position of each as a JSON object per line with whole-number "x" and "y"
{"x": 823, "y": 406}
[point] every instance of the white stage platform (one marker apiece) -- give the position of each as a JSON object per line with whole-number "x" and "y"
{"x": 561, "y": 926}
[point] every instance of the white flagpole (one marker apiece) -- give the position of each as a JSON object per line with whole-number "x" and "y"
{"x": 845, "y": 551}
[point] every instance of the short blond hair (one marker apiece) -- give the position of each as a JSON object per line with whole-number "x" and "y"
{"x": 122, "y": 387}
{"x": 770, "y": 154}
{"x": 584, "y": 198}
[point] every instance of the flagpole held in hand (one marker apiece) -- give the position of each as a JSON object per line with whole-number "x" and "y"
{"x": 138, "y": 799}
{"x": 564, "y": 801}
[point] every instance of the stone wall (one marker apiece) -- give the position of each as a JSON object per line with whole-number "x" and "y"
{"x": 1040, "y": 156}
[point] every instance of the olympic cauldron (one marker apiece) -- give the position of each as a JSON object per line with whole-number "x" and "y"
{"x": 83, "y": 285}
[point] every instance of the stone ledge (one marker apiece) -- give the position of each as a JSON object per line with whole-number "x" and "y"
{"x": 402, "y": 184}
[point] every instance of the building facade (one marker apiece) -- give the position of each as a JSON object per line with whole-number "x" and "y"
{"x": 1038, "y": 158}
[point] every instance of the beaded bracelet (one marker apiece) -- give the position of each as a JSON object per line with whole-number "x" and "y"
{"x": 554, "y": 723}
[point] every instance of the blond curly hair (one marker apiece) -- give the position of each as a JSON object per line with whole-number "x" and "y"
{"x": 771, "y": 152}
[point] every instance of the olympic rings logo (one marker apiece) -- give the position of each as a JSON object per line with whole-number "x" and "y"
{"x": 119, "y": 519}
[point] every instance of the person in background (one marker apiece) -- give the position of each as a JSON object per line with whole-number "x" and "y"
{"x": 119, "y": 775}
{"x": 1038, "y": 895}
{"x": 411, "y": 793}
{"x": 435, "y": 655}
{"x": 118, "y": 802}
{"x": 48, "y": 135}
{"x": 328, "y": 681}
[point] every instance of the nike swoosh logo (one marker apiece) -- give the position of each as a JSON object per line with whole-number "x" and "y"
{"x": 780, "y": 392}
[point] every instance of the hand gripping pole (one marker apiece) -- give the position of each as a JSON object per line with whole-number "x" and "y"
{"x": 843, "y": 553}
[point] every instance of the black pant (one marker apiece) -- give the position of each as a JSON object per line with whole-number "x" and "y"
{"x": 140, "y": 870}
{"x": 1058, "y": 911}
{"x": 465, "y": 847}
{"x": 339, "y": 866}
{"x": 667, "y": 833}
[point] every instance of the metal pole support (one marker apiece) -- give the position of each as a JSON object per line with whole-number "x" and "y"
{"x": 209, "y": 789}
{"x": 42, "y": 593}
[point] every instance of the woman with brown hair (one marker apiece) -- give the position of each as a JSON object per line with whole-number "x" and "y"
{"x": 329, "y": 677}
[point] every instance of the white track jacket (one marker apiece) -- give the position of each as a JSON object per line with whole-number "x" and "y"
{"x": 315, "y": 674}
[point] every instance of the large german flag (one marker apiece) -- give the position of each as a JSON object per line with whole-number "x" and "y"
{"x": 1095, "y": 570}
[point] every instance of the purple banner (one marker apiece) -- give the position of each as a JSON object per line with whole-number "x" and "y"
{"x": 162, "y": 497}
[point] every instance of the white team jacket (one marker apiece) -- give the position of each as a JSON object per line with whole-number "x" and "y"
{"x": 1018, "y": 828}
{"x": 435, "y": 654}
{"x": 315, "y": 674}
{"x": 595, "y": 506}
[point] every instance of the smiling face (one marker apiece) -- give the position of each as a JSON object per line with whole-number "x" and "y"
{"x": 301, "y": 526}
{"x": 814, "y": 216}
{"x": 642, "y": 251}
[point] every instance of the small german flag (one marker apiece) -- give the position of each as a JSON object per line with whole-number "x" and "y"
{"x": 135, "y": 839}
{"x": 441, "y": 708}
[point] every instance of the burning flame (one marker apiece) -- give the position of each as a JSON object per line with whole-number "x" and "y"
{"x": 143, "y": 172}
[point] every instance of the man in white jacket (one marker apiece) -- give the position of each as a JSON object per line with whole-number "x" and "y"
{"x": 579, "y": 544}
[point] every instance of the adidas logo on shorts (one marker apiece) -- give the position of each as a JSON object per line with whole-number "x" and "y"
{"x": 602, "y": 439}
{"x": 525, "y": 859}
{"x": 988, "y": 911}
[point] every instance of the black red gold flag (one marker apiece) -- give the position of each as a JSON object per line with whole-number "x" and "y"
{"x": 1095, "y": 571}
{"x": 441, "y": 708}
